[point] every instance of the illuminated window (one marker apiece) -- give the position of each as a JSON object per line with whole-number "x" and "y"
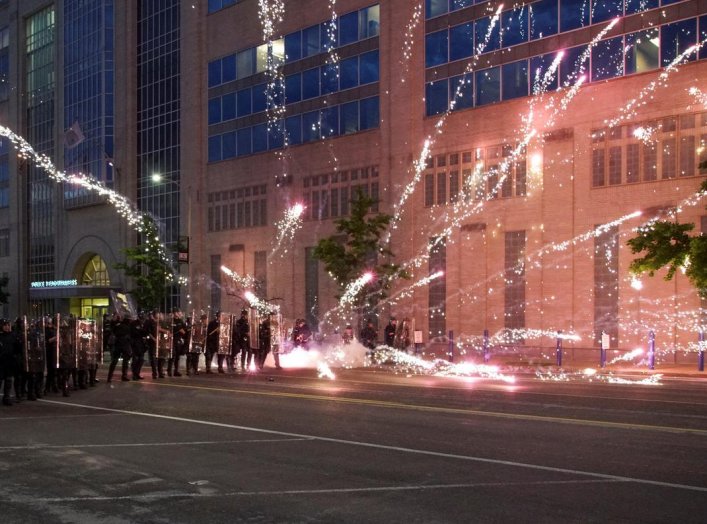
{"x": 95, "y": 273}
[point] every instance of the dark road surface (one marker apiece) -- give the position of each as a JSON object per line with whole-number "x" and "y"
{"x": 366, "y": 447}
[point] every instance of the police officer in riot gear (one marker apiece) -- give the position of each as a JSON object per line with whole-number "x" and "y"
{"x": 10, "y": 351}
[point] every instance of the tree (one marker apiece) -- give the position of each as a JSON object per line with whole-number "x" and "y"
{"x": 4, "y": 295}
{"x": 148, "y": 266}
{"x": 668, "y": 244}
{"x": 356, "y": 249}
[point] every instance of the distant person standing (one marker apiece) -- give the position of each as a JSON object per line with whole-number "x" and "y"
{"x": 369, "y": 335}
{"x": 241, "y": 340}
{"x": 389, "y": 332}
{"x": 212, "y": 337}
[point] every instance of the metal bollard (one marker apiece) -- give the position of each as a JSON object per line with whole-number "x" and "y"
{"x": 700, "y": 350}
{"x": 487, "y": 351}
{"x": 450, "y": 349}
{"x": 602, "y": 349}
{"x": 651, "y": 350}
{"x": 558, "y": 349}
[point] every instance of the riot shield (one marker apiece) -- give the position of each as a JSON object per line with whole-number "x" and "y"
{"x": 275, "y": 332}
{"x": 164, "y": 339}
{"x": 88, "y": 349}
{"x": 34, "y": 346}
{"x": 224, "y": 333}
{"x": 197, "y": 340}
{"x": 254, "y": 327}
{"x": 66, "y": 340}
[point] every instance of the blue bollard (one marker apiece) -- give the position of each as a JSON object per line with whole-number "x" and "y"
{"x": 602, "y": 350}
{"x": 487, "y": 352}
{"x": 558, "y": 349}
{"x": 651, "y": 350}
{"x": 450, "y": 349}
{"x": 701, "y": 350}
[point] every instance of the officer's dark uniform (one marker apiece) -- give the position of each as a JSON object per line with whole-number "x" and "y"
{"x": 212, "y": 334}
{"x": 10, "y": 351}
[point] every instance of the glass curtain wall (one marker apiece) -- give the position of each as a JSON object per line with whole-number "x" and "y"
{"x": 39, "y": 100}
{"x": 158, "y": 177}
{"x": 88, "y": 93}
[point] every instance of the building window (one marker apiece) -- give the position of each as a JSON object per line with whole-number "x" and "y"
{"x": 437, "y": 288}
{"x": 311, "y": 288}
{"x": 328, "y": 195}
{"x": 4, "y": 173}
{"x": 4, "y": 63}
{"x": 673, "y": 146}
{"x": 606, "y": 284}
{"x": 514, "y": 296}
{"x": 237, "y": 208}
{"x": 260, "y": 273}
{"x": 95, "y": 273}
{"x": 4, "y": 242}
{"x": 215, "y": 282}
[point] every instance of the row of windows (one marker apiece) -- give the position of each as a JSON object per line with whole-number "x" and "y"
{"x": 319, "y": 81}
{"x": 319, "y": 38}
{"x": 333, "y": 198}
{"x": 577, "y": 10}
{"x": 359, "y": 115}
{"x": 628, "y": 54}
{"x": 237, "y": 208}
{"x": 465, "y": 40}
{"x": 479, "y": 177}
{"x": 674, "y": 146}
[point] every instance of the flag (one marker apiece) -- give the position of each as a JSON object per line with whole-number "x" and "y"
{"x": 73, "y": 136}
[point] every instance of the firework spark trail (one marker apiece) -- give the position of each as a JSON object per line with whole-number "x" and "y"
{"x": 401, "y": 362}
{"x": 408, "y": 39}
{"x": 632, "y": 105}
{"x": 627, "y": 357}
{"x": 699, "y": 95}
{"x": 286, "y": 228}
{"x": 406, "y": 291}
{"x": 420, "y": 164}
{"x": 123, "y": 206}
{"x": 245, "y": 282}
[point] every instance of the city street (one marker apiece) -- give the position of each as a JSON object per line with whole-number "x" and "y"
{"x": 368, "y": 446}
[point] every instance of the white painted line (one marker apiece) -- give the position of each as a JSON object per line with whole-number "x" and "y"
{"x": 35, "y": 447}
{"x": 395, "y": 448}
{"x": 422, "y": 487}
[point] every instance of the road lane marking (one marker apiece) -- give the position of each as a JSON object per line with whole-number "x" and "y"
{"x": 456, "y": 411}
{"x": 373, "y": 445}
{"x": 421, "y": 487}
{"x": 39, "y": 447}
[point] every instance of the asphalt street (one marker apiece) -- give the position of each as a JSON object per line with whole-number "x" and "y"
{"x": 367, "y": 446}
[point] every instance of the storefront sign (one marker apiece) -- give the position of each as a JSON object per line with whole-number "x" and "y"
{"x": 54, "y": 283}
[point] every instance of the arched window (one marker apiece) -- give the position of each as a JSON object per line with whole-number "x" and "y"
{"x": 95, "y": 273}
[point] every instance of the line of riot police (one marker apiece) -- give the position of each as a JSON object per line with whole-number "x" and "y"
{"x": 47, "y": 355}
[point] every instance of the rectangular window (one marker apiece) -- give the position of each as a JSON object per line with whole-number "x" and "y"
{"x": 461, "y": 41}
{"x": 215, "y": 283}
{"x": 369, "y": 113}
{"x": 632, "y": 163}
{"x": 311, "y": 288}
{"x": 598, "y": 173}
{"x": 606, "y": 284}
{"x": 514, "y": 24}
{"x": 436, "y": 48}
{"x": 437, "y": 288}
{"x": 642, "y": 51}
{"x": 4, "y": 242}
{"x": 441, "y": 188}
{"x": 521, "y": 175}
{"x": 310, "y": 41}
{"x": 650, "y": 161}
{"x": 669, "y": 159}
{"x": 614, "y": 165}
{"x": 675, "y": 39}
{"x": 543, "y": 19}
{"x": 687, "y": 155}
{"x": 369, "y": 22}
{"x": 488, "y": 86}
{"x": 453, "y": 186}
{"x": 260, "y": 273}
{"x": 607, "y": 59}
{"x": 429, "y": 190}
{"x": 515, "y": 79}
{"x": 514, "y": 281}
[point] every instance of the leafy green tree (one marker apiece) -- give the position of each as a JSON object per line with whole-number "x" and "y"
{"x": 148, "y": 266}
{"x": 669, "y": 244}
{"x": 355, "y": 249}
{"x": 4, "y": 295}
